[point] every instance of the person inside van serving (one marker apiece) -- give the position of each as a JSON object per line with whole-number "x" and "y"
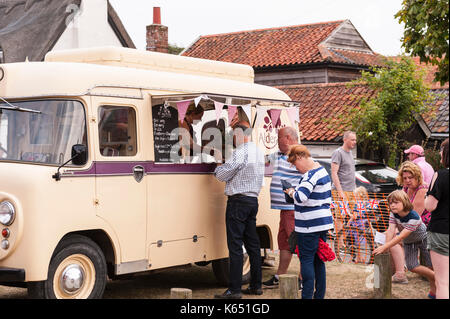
{"x": 192, "y": 114}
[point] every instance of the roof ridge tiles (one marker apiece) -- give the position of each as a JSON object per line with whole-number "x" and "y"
{"x": 324, "y": 85}
{"x": 273, "y": 28}
{"x": 352, "y": 50}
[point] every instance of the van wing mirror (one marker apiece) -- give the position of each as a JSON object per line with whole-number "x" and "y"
{"x": 79, "y": 157}
{"x": 79, "y": 154}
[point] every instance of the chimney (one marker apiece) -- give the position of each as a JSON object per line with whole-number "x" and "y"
{"x": 157, "y": 34}
{"x": 156, "y": 15}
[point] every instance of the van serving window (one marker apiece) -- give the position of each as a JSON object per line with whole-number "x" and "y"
{"x": 117, "y": 131}
{"x": 196, "y": 128}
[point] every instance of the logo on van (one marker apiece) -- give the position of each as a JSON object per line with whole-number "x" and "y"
{"x": 269, "y": 137}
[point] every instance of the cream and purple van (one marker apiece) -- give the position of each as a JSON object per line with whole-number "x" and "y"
{"x": 94, "y": 180}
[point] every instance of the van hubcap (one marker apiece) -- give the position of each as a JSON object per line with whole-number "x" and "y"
{"x": 72, "y": 278}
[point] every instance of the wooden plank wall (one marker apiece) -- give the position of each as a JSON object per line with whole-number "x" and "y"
{"x": 348, "y": 38}
{"x": 308, "y": 76}
{"x": 292, "y": 77}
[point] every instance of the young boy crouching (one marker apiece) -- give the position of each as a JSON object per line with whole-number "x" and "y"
{"x": 413, "y": 232}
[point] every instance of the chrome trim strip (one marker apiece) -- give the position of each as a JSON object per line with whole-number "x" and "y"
{"x": 131, "y": 266}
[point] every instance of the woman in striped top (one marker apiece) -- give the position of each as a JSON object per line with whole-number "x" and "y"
{"x": 313, "y": 219}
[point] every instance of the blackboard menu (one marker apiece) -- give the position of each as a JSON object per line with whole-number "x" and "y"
{"x": 165, "y": 120}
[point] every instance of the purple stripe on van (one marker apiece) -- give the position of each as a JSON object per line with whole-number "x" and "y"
{"x": 126, "y": 168}
{"x": 117, "y": 168}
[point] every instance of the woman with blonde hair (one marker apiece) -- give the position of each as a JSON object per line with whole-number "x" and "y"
{"x": 410, "y": 177}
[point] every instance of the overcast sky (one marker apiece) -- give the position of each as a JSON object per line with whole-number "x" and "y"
{"x": 189, "y": 19}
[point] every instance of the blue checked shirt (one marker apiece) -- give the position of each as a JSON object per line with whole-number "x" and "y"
{"x": 243, "y": 172}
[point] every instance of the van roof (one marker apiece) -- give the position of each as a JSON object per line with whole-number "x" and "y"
{"x": 156, "y": 61}
{"x": 35, "y": 79}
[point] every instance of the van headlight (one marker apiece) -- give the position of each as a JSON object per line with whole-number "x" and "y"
{"x": 7, "y": 213}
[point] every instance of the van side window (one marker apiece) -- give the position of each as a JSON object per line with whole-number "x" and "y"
{"x": 117, "y": 131}
{"x": 203, "y": 137}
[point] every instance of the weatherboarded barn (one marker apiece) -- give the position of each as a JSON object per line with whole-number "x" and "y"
{"x": 324, "y": 52}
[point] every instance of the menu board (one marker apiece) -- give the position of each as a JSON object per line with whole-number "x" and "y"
{"x": 165, "y": 121}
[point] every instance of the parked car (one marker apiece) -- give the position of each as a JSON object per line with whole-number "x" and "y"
{"x": 376, "y": 177}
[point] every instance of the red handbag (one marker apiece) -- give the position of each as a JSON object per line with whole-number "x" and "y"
{"x": 324, "y": 251}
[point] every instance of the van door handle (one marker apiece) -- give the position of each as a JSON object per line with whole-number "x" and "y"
{"x": 138, "y": 173}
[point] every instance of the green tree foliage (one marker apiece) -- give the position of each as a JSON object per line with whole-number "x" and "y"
{"x": 427, "y": 33}
{"x": 382, "y": 119}
{"x": 174, "y": 49}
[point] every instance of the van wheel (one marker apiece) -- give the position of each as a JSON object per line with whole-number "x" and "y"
{"x": 77, "y": 271}
{"x": 221, "y": 269}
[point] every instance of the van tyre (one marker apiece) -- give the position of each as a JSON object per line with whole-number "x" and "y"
{"x": 77, "y": 271}
{"x": 221, "y": 269}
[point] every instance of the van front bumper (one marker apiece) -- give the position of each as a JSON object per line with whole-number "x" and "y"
{"x": 12, "y": 275}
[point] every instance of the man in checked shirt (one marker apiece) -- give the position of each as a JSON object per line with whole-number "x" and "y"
{"x": 243, "y": 174}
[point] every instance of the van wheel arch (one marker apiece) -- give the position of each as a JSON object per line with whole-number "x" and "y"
{"x": 101, "y": 238}
{"x": 78, "y": 259}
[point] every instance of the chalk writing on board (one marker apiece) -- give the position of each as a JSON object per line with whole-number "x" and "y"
{"x": 165, "y": 120}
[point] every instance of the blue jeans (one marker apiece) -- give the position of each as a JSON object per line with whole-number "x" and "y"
{"x": 313, "y": 269}
{"x": 241, "y": 229}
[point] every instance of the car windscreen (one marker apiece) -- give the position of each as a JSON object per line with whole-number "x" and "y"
{"x": 377, "y": 173}
{"x": 42, "y": 131}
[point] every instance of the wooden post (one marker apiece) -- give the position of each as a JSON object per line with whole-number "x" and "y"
{"x": 288, "y": 286}
{"x": 383, "y": 276}
{"x": 180, "y": 293}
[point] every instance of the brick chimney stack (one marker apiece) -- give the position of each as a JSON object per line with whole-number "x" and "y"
{"x": 157, "y": 34}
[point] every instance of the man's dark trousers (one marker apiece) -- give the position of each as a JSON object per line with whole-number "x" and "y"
{"x": 241, "y": 229}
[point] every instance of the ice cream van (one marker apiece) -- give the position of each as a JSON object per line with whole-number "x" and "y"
{"x": 95, "y": 181}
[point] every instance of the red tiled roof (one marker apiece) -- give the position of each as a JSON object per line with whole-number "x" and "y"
{"x": 437, "y": 118}
{"x": 319, "y": 102}
{"x": 291, "y": 45}
{"x": 354, "y": 57}
{"x": 429, "y": 70}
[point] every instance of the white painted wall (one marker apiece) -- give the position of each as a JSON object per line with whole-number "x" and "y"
{"x": 87, "y": 26}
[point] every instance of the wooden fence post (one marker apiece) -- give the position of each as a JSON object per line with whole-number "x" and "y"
{"x": 180, "y": 293}
{"x": 288, "y": 286}
{"x": 382, "y": 276}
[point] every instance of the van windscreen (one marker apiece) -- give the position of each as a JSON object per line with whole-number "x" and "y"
{"x": 45, "y": 136}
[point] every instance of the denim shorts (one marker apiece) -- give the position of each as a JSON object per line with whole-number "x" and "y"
{"x": 438, "y": 243}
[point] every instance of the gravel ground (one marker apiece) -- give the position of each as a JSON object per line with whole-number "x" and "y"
{"x": 344, "y": 281}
